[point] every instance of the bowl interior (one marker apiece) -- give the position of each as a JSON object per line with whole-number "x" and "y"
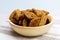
{"x": 30, "y": 27}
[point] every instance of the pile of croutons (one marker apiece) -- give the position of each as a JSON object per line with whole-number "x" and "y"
{"x": 30, "y": 17}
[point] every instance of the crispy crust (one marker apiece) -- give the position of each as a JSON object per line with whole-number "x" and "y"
{"x": 37, "y": 12}
{"x": 20, "y": 22}
{"x": 46, "y": 13}
{"x": 34, "y": 22}
{"x": 12, "y": 15}
{"x": 25, "y": 22}
{"x": 14, "y": 21}
{"x": 30, "y": 15}
{"x": 40, "y": 13}
{"x": 49, "y": 18}
{"x": 43, "y": 20}
{"x": 18, "y": 14}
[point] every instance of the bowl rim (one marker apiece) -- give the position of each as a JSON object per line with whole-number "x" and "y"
{"x": 31, "y": 27}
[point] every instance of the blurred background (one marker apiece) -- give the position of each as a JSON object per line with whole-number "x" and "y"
{"x": 52, "y": 6}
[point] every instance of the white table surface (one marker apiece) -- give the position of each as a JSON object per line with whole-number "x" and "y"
{"x": 7, "y": 6}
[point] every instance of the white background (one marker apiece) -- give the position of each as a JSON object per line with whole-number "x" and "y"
{"x": 53, "y": 6}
